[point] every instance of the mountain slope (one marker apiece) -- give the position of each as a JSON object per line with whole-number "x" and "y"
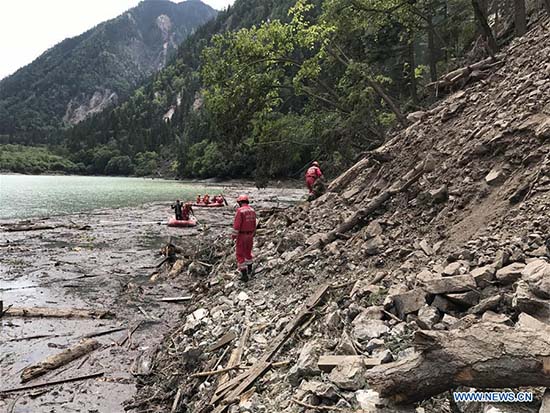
{"x": 479, "y": 213}
{"x": 84, "y": 74}
{"x": 157, "y": 115}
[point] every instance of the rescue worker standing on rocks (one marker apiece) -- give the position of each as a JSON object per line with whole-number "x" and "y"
{"x": 313, "y": 174}
{"x": 244, "y": 228}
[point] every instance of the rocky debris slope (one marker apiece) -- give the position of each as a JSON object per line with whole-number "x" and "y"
{"x": 456, "y": 250}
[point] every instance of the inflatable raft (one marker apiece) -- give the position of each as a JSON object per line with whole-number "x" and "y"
{"x": 210, "y": 205}
{"x": 173, "y": 222}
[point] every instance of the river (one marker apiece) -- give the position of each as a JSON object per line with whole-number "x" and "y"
{"x": 26, "y": 196}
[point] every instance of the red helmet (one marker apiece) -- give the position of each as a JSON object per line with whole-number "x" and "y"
{"x": 315, "y": 163}
{"x": 243, "y": 198}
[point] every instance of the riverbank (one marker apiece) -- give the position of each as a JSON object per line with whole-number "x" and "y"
{"x": 104, "y": 260}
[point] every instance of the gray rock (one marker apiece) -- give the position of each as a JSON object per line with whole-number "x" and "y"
{"x": 408, "y": 302}
{"x": 502, "y": 258}
{"x": 542, "y": 288}
{"x": 457, "y": 283}
{"x": 319, "y": 389}
{"x": 350, "y": 376}
{"x": 525, "y": 301}
{"x": 492, "y": 317}
{"x": 374, "y": 245}
{"x": 489, "y": 303}
{"x": 444, "y": 305}
{"x": 365, "y": 329}
{"x": 440, "y": 194}
{"x": 345, "y": 345}
{"x": 483, "y": 275}
{"x": 510, "y": 274}
{"x": 456, "y": 268}
{"x": 428, "y": 316}
{"x": 545, "y": 405}
{"x": 333, "y": 321}
{"x": 374, "y": 344}
{"x": 530, "y": 322}
{"x": 467, "y": 299}
{"x": 495, "y": 177}
{"x": 306, "y": 365}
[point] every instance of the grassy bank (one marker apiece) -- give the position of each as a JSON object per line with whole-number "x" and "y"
{"x": 34, "y": 160}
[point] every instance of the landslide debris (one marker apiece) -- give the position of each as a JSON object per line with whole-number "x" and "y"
{"x": 461, "y": 248}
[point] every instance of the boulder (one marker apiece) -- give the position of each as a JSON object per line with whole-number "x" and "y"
{"x": 483, "y": 275}
{"x": 349, "y": 376}
{"x": 542, "y": 288}
{"x": 440, "y": 194}
{"x": 306, "y": 365}
{"x": 510, "y": 274}
{"x": 492, "y": 317}
{"x": 495, "y": 177}
{"x": 467, "y": 299}
{"x": 319, "y": 389}
{"x": 374, "y": 245}
{"x": 428, "y": 316}
{"x": 456, "y": 268}
{"x": 365, "y": 329}
{"x": 525, "y": 301}
{"x": 489, "y": 303}
{"x": 457, "y": 283}
{"x": 444, "y": 305}
{"x": 530, "y": 322}
{"x": 408, "y": 302}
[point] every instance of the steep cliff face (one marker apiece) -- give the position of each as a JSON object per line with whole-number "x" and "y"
{"x": 86, "y": 74}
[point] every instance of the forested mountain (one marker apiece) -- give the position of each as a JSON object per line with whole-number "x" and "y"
{"x": 268, "y": 86}
{"x": 87, "y": 73}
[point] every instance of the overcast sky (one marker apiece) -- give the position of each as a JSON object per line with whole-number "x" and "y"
{"x": 30, "y": 27}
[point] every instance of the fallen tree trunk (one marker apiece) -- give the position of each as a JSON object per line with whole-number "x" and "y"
{"x": 482, "y": 356}
{"x": 464, "y": 74}
{"x": 401, "y": 185}
{"x": 57, "y": 360}
{"x": 56, "y": 312}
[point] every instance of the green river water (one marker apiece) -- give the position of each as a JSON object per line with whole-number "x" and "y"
{"x": 26, "y": 196}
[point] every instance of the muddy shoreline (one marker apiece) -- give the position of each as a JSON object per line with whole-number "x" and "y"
{"x": 105, "y": 262}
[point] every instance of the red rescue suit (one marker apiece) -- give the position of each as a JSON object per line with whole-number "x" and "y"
{"x": 312, "y": 174}
{"x": 244, "y": 228}
{"x": 186, "y": 212}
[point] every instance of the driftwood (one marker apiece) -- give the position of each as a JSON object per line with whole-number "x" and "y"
{"x": 41, "y": 227}
{"x": 56, "y": 312}
{"x": 53, "y": 383}
{"x": 57, "y": 360}
{"x": 482, "y": 356}
{"x": 176, "y": 299}
{"x": 462, "y": 75}
{"x": 401, "y": 185}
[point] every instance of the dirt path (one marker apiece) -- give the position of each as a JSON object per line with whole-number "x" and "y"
{"x": 108, "y": 266}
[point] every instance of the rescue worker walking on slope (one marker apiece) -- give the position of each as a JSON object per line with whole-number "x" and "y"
{"x": 244, "y": 229}
{"x": 312, "y": 174}
{"x": 177, "y": 209}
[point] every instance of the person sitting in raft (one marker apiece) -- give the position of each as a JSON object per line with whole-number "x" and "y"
{"x": 177, "y": 207}
{"x": 220, "y": 199}
{"x": 206, "y": 199}
{"x": 199, "y": 200}
{"x": 187, "y": 211}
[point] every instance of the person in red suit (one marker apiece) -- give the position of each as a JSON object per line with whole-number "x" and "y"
{"x": 244, "y": 229}
{"x": 312, "y": 174}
